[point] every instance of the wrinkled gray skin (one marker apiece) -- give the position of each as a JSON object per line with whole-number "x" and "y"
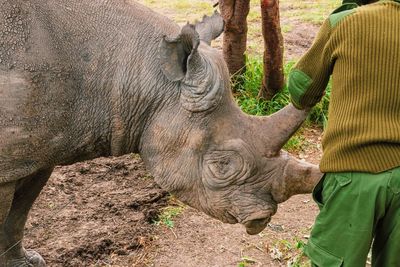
{"x": 84, "y": 79}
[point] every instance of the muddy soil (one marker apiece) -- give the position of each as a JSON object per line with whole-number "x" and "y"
{"x": 299, "y": 39}
{"x": 96, "y": 213}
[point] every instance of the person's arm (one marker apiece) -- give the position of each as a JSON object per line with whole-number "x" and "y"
{"x": 309, "y": 77}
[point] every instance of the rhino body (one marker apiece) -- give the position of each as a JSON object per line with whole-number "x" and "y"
{"x": 84, "y": 79}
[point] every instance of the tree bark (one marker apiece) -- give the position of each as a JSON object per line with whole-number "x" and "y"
{"x": 273, "y": 80}
{"x": 235, "y": 14}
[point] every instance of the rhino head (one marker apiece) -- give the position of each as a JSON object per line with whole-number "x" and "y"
{"x": 206, "y": 151}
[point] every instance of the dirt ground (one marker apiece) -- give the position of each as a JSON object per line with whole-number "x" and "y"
{"x": 96, "y": 213}
{"x": 102, "y": 213}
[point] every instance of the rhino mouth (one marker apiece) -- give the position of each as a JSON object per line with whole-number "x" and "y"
{"x": 255, "y": 224}
{"x": 230, "y": 218}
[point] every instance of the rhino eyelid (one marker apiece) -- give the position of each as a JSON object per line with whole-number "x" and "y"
{"x": 219, "y": 159}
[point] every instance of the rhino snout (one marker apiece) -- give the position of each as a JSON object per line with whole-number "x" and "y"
{"x": 257, "y": 222}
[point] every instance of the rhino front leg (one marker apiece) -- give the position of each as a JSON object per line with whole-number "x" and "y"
{"x": 26, "y": 192}
{"x": 6, "y": 197}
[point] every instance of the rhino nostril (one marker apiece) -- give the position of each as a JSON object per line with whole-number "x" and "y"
{"x": 260, "y": 221}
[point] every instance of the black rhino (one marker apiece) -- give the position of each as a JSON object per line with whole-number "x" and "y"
{"x": 80, "y": 79}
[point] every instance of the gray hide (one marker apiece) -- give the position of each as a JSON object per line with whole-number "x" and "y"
{"x": 80, "y": 79}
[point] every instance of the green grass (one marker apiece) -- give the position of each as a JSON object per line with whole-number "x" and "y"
{"x": 290, "y": 251}
{"x": 167, "y": 216}
{"x": 249, "y": 102}
{"x": 310, "y": 10}
{"x": 246, "y": 261}
{"x": 296, "y": 143}
{"x": 181, "y": 11}
{"x": 169, "y": 213}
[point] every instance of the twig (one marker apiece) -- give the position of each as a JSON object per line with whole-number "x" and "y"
{"x": 176, "y": 237}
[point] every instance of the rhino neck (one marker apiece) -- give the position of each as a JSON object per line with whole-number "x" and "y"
{"x": 135, "y": 103}
{"x": 116, "y": 54}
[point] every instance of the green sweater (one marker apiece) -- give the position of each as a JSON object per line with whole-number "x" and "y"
{"x": 360, "y": 48}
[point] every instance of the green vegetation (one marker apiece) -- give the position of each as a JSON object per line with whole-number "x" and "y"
{"x": 246, "y": 261}
{"x": 296, "y": 143}
{"x": 167, "y": 215}
{"x": 290, "y": 251}
{"x": 250, "y": 84}
{"x": 313, "y": 11}
{"x": 181, "y": 11}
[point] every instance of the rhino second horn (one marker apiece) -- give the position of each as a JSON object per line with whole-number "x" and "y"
{"x": 298, "y": 177}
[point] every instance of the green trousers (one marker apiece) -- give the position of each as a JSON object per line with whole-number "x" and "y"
{"x": 356, "y": 208}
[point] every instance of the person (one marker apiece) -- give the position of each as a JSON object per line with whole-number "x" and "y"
{"x": 359, "y": 194}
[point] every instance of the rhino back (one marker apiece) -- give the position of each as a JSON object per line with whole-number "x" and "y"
{"x": 78, "y": 80}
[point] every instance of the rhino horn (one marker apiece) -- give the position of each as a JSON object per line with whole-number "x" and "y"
{"x": 279, "y": 127}
{"x": 210, "y": 27}
{"x": 299, "y": 177}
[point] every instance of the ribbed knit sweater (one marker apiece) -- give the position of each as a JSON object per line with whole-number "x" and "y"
{"x": 360, "y": 48}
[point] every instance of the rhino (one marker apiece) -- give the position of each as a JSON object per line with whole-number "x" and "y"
{"x": 81, "y": 79}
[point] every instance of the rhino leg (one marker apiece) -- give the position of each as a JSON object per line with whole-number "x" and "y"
{"x": 26, "y": 192}
{"x": 6, "y": 197}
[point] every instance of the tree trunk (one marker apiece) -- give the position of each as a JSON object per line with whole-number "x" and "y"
{"x": 235, "y": 14}
{"x": 273, "y": 80}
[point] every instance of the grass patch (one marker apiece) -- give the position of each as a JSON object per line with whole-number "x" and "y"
{"x": 291, "y": 252}
{"x": 167, "y": 216}
{"x": 297, "y": 143}
{"x": 169, "y": 213}
{"x": 312, "y": 11}
{"x": 246, "y": 261}
{"x": 181, "y": 11}
{"x": 249, "y": 86}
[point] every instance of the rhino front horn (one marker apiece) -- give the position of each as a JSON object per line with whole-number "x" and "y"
{"x": 277, "y": 128}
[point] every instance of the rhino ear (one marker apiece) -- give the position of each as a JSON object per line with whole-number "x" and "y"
{"x": 175, "y": 52}
{"x": 210, "y": 27}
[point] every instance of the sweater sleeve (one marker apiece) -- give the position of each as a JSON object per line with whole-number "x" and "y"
{"x": 309, "y": 77}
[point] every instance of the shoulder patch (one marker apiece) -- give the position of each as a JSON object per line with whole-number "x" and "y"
{"x": 335, "y": 18}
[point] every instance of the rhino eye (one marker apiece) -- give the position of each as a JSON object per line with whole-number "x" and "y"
{"x": 225, "y": 165}
{"x": 221, "y": 168}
